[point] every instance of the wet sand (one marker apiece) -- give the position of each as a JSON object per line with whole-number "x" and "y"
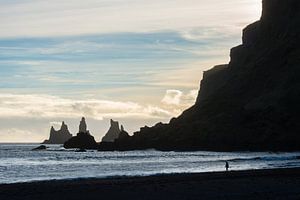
{"x": 251, "y": 184}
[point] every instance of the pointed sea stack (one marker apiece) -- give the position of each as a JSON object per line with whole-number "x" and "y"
{"x": 82, "y": 126}
{"x": 83, "y": 139}
{"x": 252, "y": 103}
{"x": 60, "y": 136}
{"x": 113, "y": 132}
{"x": 122, "y": 143}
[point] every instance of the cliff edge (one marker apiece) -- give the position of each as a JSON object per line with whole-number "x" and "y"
{"x": 252, "y": 103}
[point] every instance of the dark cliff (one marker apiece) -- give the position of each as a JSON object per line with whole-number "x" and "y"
{"x": 252, "y": 103}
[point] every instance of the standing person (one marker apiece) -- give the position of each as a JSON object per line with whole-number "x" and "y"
{"x": 227, "y": 166}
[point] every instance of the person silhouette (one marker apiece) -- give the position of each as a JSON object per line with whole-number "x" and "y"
{"x": 226, "y": 166}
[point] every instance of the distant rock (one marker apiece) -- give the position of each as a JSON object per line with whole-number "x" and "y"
{"x": 113, "y": 132}
{"x": 83, "y": 139}
{"x": 39, "y": 148}
{"x": 60, "y": 136}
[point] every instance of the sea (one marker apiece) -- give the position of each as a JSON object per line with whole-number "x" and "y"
{"x": 18, "y": 163}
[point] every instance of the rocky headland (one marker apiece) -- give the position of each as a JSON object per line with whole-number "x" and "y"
{"x": 251, "y": 103}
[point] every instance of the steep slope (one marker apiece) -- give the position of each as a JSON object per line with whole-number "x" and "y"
{"x": 252, "y": 103}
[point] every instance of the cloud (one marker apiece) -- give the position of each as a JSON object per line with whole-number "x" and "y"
{"x": 130, "y": 60}
{"x": 75, "y": 17}
{"x": 47, "y": 106}
{"x": 206, "y": 33}
{"x": 113, "y": 49}
{"x": 177, "y": 98}
{"x": 28, "y": 117}
{"x": 172, "y": 97}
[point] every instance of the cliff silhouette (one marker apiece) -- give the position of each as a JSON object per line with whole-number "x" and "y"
{"x": 113, "y": 132}
{"x": 83, "y": 139}
{"x": 251, "y": 103}
{"x": 59, "y": 136}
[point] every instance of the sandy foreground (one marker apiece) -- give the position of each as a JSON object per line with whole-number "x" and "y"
{"x": 251, "y": 184}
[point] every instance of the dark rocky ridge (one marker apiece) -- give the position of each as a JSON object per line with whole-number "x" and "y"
{"x": 81, "y": 141}
{"x": 252, "y": 103}
{"x": 60, "y": 136}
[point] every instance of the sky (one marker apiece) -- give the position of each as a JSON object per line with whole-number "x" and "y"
{"x": 136, "y": 61}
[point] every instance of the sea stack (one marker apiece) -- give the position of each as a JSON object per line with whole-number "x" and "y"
{"x": 60, "y": 136}
{"x": 82, "y": 126}
{"x": 249, "y": 104}
{"x": 122, "y": 143}
{"x": 83, "y": 139}
{"x": 113, "y": 132}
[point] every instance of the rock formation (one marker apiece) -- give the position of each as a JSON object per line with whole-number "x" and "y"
{"x": 60, "y": 136}
{"x": 252, "y": 103}
{"x": 113, "y": 132}
{"x": 40, "y": 148}
{"x": 83, "y": 139}
{"x": 118, "y": 143}
{"x": 82, "y": 126}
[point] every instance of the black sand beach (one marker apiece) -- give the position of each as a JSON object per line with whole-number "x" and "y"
{"x": 252, "y": 184}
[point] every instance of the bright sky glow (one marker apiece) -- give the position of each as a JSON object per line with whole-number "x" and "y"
{"x": 136, "y": 61}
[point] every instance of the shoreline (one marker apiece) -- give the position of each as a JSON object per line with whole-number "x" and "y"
{"x": 210, "y": 174}
{"x": 282, "y": 183}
